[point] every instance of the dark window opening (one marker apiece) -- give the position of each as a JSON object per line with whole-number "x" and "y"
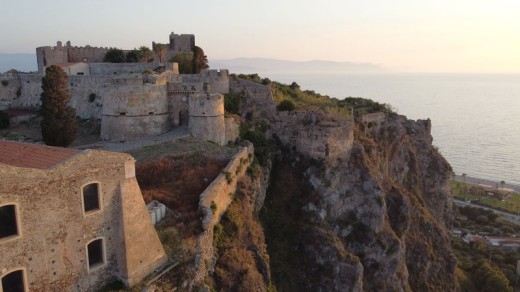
{"x": 150, "y": 113}
{"x": 8, "y": 225}
{"x": 81, "y": 73}
{"x": 91, "y": 197}
{"x": 95, "y": 253}
{"x": 13, "y": 282}
{"x": 122, "y": 114}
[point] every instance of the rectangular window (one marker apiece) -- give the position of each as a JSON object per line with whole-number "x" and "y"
{"x": 95, "y": 253}
{"x": 13, "y": 282}
{"x": 8, "y": 224}
{"x": 91, "y": 197}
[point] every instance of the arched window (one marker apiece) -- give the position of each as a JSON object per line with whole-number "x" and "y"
{"x": 91, "y": 198}
{"x": 8, "y": 221}
{"x": 13, "y": 282}
{"x": 96, "y": 253}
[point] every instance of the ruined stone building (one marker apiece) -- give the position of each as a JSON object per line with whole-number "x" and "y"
{"x": 72, "y": 220}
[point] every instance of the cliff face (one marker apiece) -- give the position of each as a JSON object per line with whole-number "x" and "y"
{"x": 373, "y": 219}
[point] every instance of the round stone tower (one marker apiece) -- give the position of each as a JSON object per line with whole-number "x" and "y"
{"x": 206, "y": 117}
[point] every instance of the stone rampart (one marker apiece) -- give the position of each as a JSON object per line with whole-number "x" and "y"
{"x": 219, "y": 80}
{"x": 258, "y": 98}
{"x": 214, "y": 201}
{"x": 86, "y": 54}
{"x": 30, "y": 90}
{"x": 206, "y": 117}
{"x": 134, "y": 111}
{"x": 8, "y": 91}
{"x": 120, "y": 68}
{"x": 313, "y": 134}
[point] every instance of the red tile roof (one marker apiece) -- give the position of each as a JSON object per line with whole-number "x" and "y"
{"x": 32, "y": 155}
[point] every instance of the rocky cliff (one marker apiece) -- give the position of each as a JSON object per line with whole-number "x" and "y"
{"x": 352, "y": 205}
{"x": 374, "y": 219}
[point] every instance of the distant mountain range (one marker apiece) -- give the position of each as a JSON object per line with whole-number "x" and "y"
{"x": 27, "y": 63}
{"x": 262, "y": 65}
{"x": 20, "y": 62}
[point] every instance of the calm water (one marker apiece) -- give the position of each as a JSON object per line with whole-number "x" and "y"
{"x": 475, "y": 118}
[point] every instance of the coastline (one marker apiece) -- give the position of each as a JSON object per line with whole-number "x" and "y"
{"x": 481, "y": 181}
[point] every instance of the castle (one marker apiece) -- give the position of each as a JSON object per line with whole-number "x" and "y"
{"x": 132, "y": 100}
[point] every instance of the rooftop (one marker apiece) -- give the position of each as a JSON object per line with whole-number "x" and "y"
{"x": 33, "y": 156}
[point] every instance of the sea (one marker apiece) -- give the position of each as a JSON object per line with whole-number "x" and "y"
{"x": 475, "y": 117}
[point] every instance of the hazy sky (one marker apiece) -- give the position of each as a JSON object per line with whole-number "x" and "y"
{"x": 401, "y": 35}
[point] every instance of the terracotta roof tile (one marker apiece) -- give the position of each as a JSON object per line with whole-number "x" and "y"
{"x": 32, "y": 155}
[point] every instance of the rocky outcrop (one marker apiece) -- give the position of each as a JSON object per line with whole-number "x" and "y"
{"x": 374, "y": 219}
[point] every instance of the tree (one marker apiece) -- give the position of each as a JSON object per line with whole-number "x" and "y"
{"x": 160, "y": 50}
{"x": 490, "y": 278}
{"x": 132, "y": 56}
{"x": 144, "y": 54}
{"x": 200, "y": 61}
{"x": 502, "y": 183}
{"x": 185, "y": 62}
{"x": 59, "y": 125}
{"x": 114, "y": 55}
{"x": 294, "y": 86}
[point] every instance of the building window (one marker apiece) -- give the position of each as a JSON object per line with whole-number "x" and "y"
{"x": 13, "y": 282}
{"x": 91, "y": 200}
{"x": 8, "y": 222}
{"x": 95, "y": 253}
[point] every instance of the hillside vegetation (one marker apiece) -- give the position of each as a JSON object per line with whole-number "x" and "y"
{"x": 310, "y": 100}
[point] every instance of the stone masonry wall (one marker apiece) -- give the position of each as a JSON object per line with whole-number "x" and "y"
{"x": 134, "y": 111}
{"x": 206, "y": 117}
{"x": 219, "y": 80}
{"x": 55, "y": 231}
{"x": 120, "y": 68}
{"x": 313, "y": 134}
{"x": 219, "y": 194}
{"x": 8, "y": 93}
{"x": 258, "y": 98}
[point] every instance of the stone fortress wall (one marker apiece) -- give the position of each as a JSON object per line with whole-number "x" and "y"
{"x": 314, "y": 135}
{"x": 206, "y": 117}
{"x": 54, "y": 229}
{"x": 257, "y": 98}
{"x": 59, "y": 54}
{"x": 219, "y": 194}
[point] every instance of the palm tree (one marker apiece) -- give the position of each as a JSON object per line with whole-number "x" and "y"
{"x": 160, "y": 50}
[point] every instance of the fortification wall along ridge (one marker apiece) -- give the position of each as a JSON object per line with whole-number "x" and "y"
{"x": 218, "y": 194}
{"x": 313, "y": 135}
{"x": 258, "y": 98}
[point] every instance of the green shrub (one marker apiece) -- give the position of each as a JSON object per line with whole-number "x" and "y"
{"x": 213, "y": 207}
{"x": 229, "y": 178}
{"x": 232, "y": 102}
{"x": 286, "y": 105}
{"x": 5, "y": 82}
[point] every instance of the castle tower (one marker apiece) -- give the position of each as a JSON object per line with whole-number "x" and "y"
{"x": 206, "y": 117}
